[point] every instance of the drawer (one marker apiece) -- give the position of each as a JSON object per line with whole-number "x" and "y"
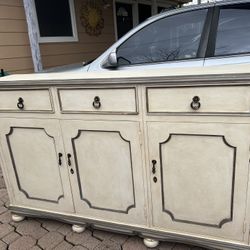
{"x": 207, "y": 99}
{"x": 98, "y": 100}
{"x": 26, "y": 100}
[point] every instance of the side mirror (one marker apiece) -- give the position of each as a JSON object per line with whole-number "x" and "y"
{"x": 111, "y": 61}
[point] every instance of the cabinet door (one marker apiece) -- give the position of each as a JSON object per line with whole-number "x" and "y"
{"x": 30, "y": 150}
{"x": 202, "y": 173}
{"x": 107, "y": 182}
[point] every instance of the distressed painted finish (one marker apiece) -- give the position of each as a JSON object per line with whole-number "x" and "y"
{"x": 178, "y": 99}
{"x": 202, "y": 171}
{"x": 30, "y": 149}
{"x": 107, "y": 153}
{"x": 168, "y": 174}
{"x": 38, "y": 100}
{"x": 111, "y": 100}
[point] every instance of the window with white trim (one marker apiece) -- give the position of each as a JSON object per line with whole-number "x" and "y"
{"x": 56, "y": 20}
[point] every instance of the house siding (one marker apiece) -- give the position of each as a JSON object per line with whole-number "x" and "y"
{"x": 15, "y": 52}
{"x": 87, "y": 48}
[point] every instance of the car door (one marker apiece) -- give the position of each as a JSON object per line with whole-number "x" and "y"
{"x": 230, "y": 35}
{"x": 173, "y": 41}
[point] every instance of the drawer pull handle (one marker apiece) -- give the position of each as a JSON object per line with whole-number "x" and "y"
{"x": 195, "y": 104}
{"x": 20, "y": 103}
{"x": 69, "y": 159}
{"x": 154, "y": 168}
{"x": 60, "y": 159}
{"x": 97, "y": 102}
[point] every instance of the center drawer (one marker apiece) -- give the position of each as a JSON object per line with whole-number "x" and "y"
{"x": 98, "y": 100}
{"x": 193, "y": 100}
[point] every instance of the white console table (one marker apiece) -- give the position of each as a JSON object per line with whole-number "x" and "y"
{"x": 166, "y": 158}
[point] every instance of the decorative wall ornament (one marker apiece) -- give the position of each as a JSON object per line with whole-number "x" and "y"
{"x": 92, "y": 17}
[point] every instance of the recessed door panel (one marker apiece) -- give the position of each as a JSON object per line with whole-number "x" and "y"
{"x": 201, "y": 172}
{"x": 104, "y": 157}
{"x": 34, "y": 159}
{"x": 195, "y": 175}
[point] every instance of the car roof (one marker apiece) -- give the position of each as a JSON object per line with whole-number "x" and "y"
{"x": 195, "y": 7}
{"x": 179, "y": 10}
{"x": 225, "y": 2}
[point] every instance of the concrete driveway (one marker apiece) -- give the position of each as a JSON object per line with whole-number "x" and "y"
{"x": 46, "y": 234}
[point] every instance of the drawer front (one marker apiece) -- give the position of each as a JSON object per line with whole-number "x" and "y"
{"x": 26, "y": 100}
{"x": 191, "y": 100}
{"x": 116, "y": 100}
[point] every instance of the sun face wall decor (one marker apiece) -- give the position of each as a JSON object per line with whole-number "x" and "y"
{"x": 91, "y": 17}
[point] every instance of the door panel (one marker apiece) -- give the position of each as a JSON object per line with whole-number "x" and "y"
{"x": 93, "y": 148}
{"x": 202, "y": 177}
{"x": 108, "y": 179}
{"x": 30, "y": 150}
{"x": 42, "y": 144}
{"x": 166, "y": 65}
{"x": 225, "y": 60}
{"x": 179, "y": 178}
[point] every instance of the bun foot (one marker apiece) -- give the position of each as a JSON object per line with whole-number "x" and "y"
{"x": 150, "y": 243}
{"x": 17, "y": 218}
{"x": 78, "y": 228}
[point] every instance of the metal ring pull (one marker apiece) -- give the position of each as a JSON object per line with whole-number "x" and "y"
{"x": 195, "y": 104}
{"x": 97, "y": 102}
{"x": 20, "y": 103}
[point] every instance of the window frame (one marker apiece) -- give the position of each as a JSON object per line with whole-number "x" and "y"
{"x": 58, "y": 39}
{"x": 202, "y": 48}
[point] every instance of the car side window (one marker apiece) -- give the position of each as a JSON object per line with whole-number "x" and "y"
{"x": 233, "y": 33}
{"x": 171, "y": 38}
